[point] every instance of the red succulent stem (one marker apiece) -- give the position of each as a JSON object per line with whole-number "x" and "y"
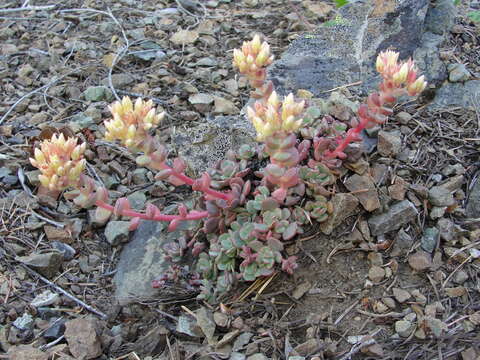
{"x": 189, "y": 181}
{"x": 351, "y": 136}
{"x": 193, "y": 215}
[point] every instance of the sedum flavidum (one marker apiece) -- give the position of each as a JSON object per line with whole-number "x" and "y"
{"x": 60, "y": 162}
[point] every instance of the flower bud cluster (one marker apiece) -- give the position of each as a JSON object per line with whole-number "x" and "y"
{"x": 60, "y": 162}
{"x": 131, "y": 122}
{"x": 252, "y": 59}
{"x": 396, "y": 75}
{"x": 275, "y": 116}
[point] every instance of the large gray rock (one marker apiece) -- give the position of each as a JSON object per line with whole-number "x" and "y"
{"x": 397, "y": 216}
{"x": 457, "y": 94}
{"x": 142, "y": 261}
{"x": 346, "y": 52}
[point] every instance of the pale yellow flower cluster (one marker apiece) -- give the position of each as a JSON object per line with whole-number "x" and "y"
{"x": 400, "y": 74}
{"x": 60, "y": 162}
{"x": 274, "y": 116}
{"x": 253, "y": 56}
{"x": 130, "y": 121}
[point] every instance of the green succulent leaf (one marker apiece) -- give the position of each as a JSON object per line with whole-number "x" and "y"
{"x": 249, "y": 272}
{"x": 246, "y": 231}
{"x": 290, "y": 231}
{"x": 269, "y": 204}
{"x": 263, "y": 190}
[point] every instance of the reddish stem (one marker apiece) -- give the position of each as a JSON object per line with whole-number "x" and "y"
{"x": 348, "y": 139}
{"x": 189, "y": 181}
{"x": 194, "y": 215}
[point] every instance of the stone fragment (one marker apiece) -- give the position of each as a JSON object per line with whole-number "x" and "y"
{"x": 45, "y": 298}
{"x": 25, "y": 322}
{"x": 301, "y": 289}
{"x": 257, "y": 356}
{"x": 142, "y": 260}
{"x": 98, "y": 93}
{"x": 403, "y": 117}
{"x": 83, "y": 341}
{"x": 183, "y": 37}
{"x": 389, "y": 144}
{"x": 66, "y": 250}
{"x": 344, "y": 205}
{"x": 119, "y": 80}
{"x": 55, "y": 233}
{"x": 398, "y": 189}
{"x": 448, "y": 230}
{"x": 117, "y": 232}
{"x": 376, "y": 274}
{"x": 152, "y": 343}
{"x": 420, "y": 261}
{"x": 460, "y": 277}
{"x": 55, "y": 330}
{"x": 470, "y": 354}
{"x": 456, "y": 94}
{"x": 364, "y": 190}
{"x": 187, "y": 325}
{"x": 26, "y": 352}
{"x": 308, "y": 347}
{"x": 242, "y": 340}
{"x": 221, "y": 319}
{"x": 440, "y": 196}
{"x": 458, "y": 73}
{"x": 224, "y": 106}
{"x": 456, "y": 291}
{"x": 397, "y": 216}
{"x": 46, "y": 264}
{"x": 404, "y": 328}
{"x": 401, "y": 295}
{"x": 205, "y": 322}
{"x": 436, "y": 212}
{"x": 429, "y": 239}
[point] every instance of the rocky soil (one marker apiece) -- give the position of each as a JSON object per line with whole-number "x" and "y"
{"x": 395, "y": 273}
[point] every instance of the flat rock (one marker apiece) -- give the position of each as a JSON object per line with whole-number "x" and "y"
{"x": 83, "y": 341}
{"x": 440, "y": 196}
{"x": 389, "y": 144}
{"x": 26, "y": 352}
{"x": 142, "y": 261}
{"x": 46, "y": 264}
{"x": 369, "y": 198}
{"x": 344, "y": 205}
{"x": 397, "y": 216}
{"x": 117, "y": 232}
{"x": 420, "y": 261}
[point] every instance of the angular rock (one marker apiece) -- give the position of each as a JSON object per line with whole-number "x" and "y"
{"x": 401, "y": 295}
{"x": 448, "y": 230}
{"x": 119, "y": 80}
{"x": 429, "y": 239}
{"x": 224, "y": 106}
{"x": 142, "y": 260}
{"x": 458, "y": 73}
{"x": 404, "y": 328}
{"x": 46, "y": 264}
{"x": 117, "y": 232}
{"x": 389, "y": 144}
{"x": 440, "y": 196}
{"x": 473, "y": 203}
{"x": 83, "y": 341}
{"x": 376, "y": 274}
{"x": 346, "y": 53}
{"x": 152, "y": 343}
{"x": 397, "y": 216}
{"x": 45, "y": 298}
{"x": 420, "y": 261}
{"x": 344, "y": 205}
{"x": 98, "y": 93}
{"x": 368, "y": 199}
{"x": 55, "y": 330}
{"x": 25, "y": 322}
{"x": 26, "y": 352}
